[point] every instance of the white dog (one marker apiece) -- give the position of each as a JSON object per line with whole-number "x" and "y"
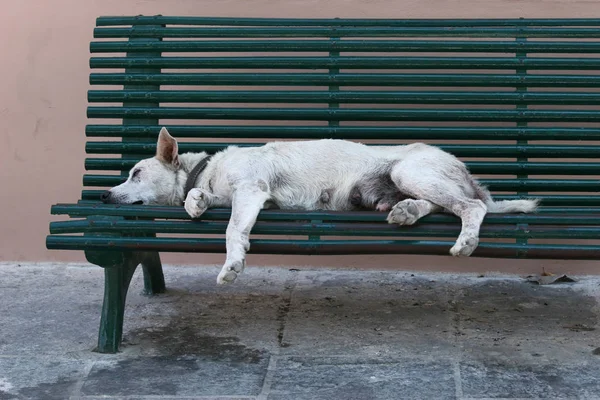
{"x": 408, "y": 181}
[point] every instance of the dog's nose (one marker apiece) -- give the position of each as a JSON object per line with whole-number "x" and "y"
{"x": 105, "y": 196}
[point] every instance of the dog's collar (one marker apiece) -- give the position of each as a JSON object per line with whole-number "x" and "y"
{"x": 194, "y": 174}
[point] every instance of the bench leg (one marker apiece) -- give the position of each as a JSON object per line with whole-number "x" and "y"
{"x": 154, "y": 280}
{"x": 116, "y": 284}
{"x": 118, "y": 270}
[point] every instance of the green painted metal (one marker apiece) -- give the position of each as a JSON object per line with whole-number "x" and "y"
{"x": 119, "y": 268}
{"x": 116, "y": 284}
{"x": 350, "y": 79}
{"x": 345, "y": 97}
{"x": 154, "y": 281}
{"x": 335, "y": 86}
{"x": 413, "y": 133}
{"x": 354, "y": 22}
{"x": 349, "y": 62}
{"x": 322, "y": 31}
{"x": 521, "y": 89}
{"x": 460, "y": 150}
{"x": 326, "y": 247}
{"x": 560, "y": 216}
{"x": 338, "y": 114}
{"x": 363, "y": 45}
{"x": 118, "y": 275}
{"x": 489, "y": 230}
{"x": 140, "y": 119}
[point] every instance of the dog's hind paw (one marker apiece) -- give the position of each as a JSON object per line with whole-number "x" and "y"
{"x": 465, "y": 245}
{"x": 195, "y": 203}
{"x": 229, "y": 272}
{"x": 404, "y": 213}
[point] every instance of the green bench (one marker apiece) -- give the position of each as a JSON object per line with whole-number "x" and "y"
{"x": 517, "y": 99}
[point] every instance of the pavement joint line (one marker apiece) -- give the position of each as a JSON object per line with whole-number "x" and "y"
{"x": 161, "y": 397}
{"x": 385, "y": 359}
{"x": 521, "y": 398}
{"x": 86, "y": 372}
{"x": 269, "y": 377}
{"x": 455, "y": 328}
{"x": 455, "y": 320}
{"x": 457, "y": 379}
{"x": 282, "y": 316}
{"x": 284, "y": 308}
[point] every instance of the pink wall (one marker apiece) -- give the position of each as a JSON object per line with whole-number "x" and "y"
{"x": 43, "y": 84}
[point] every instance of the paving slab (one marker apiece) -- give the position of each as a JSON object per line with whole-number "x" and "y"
{"x": 236, "y": 372}
{"x": 51, "y": 378}
{"x": 374, "y": 314}
{"x": 49, "y": 308}
{"x": 496, "y": 379}
{"x": 514, "y": 319}
{"x": 357, "y": 378}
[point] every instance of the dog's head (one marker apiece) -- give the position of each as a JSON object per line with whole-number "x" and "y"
{"x": 152, "y": 180}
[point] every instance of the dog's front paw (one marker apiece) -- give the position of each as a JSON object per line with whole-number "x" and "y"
{"x": 195, "y": 203}
{"x": 465, "y": 246}
{"x": 230, "y": 271}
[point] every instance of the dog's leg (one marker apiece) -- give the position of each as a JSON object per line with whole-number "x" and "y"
{"x": 407, "y": 212}
{"x": 199, "y": 200}
{"x": 248, "y": 200}
{"x": 471, "y": 212}
{"x": 422, "y": 183}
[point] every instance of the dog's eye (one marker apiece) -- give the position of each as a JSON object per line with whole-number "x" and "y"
{"x": 135, "y": 174}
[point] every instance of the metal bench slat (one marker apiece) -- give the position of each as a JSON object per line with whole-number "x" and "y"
{"x": 562, "y": 216}
{"x": 339, "y": 22}
{"x": 323, "y": 31}
{"x": 346, "y": 45}
{"x": 344, "y": 97}
{"x": 322, "y": 247}
{"x": 340, "y": 114}
{"x": 459, "y": 150}
{"x": 348, "y": 132}
{"x": 367, "y": 62}
{"x": 489, "y": 230}
{"x": 349, "y": 79}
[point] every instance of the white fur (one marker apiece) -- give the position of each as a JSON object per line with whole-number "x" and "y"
{"x": 293, "y": 175}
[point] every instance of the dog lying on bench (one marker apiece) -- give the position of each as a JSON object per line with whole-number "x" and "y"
{"x": 408, "y": 181}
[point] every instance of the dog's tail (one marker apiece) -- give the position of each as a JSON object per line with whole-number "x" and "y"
{"x": 511, "y": 206}
{"x": 503, "y": 206}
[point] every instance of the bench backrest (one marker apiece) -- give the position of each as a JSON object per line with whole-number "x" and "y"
{"x": 517, "y": 99}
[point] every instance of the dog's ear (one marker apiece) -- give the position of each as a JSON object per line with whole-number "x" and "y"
{"x": 167, "y": 149}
